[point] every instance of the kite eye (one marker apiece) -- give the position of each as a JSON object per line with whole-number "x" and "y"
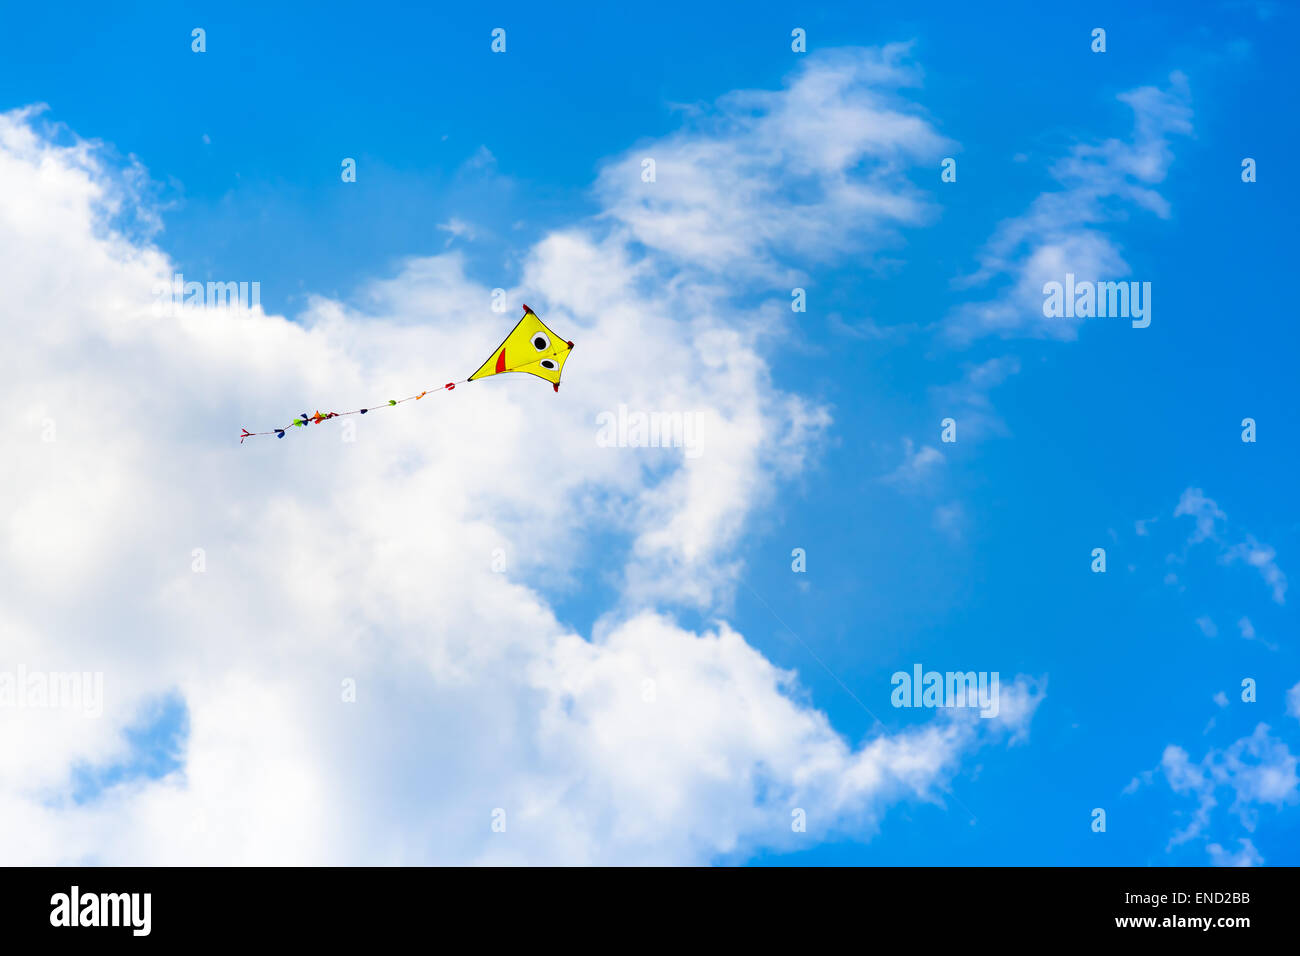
{"x": 541, "y": 341}
{"x": 548, "y": 364}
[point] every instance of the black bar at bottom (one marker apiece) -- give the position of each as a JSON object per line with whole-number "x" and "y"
{"x": 551, "y": 906}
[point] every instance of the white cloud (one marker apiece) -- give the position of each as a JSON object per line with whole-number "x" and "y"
{"x": 1246, "y": 856}
{"x": 371, "y": 561}
{"x": 1061, "y": 231}
{"x": 917, "y": 468}
{"x": 813, "y": 173}
{"x": 1258, "y": 770}
{"x": 1260, "y": 557}
{"x": 457, "y": 229}
{"x": 1212, "y": 525}
{"x": 1293, "y": 701}
{"x": 1195, "y": 504}
{"x": 967, "y": 402}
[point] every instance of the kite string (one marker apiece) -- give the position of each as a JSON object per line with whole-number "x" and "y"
{"x": 392, "y": 402}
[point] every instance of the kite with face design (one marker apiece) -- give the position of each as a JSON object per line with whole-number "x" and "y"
{"x": 530, "y": 347}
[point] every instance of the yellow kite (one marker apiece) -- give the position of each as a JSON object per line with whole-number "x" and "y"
{"x": 530, "y": 347}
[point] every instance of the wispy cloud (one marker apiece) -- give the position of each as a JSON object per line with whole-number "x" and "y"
{"x": 1261, "y": 558}
{"x": 763, "y": 181}
{"x": 951, "y": 519}
{"x": 1062, "y": 230}
{"x": 1258, "y": 770}
{"x": 917, "y": 468}
{"x": 457, "y": 229}
{"x": 1193, "y": 503}
{"x": 868, "y": 330}
{"x": 968, "y": 401}
{"x": 1246, "y": 856}
{"x": 1211, "y": 525}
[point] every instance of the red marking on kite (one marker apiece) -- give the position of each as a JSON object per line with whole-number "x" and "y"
{"x": 501, "y": 361}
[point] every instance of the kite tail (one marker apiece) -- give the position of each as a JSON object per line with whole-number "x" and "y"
{"x": 302, "y": 420}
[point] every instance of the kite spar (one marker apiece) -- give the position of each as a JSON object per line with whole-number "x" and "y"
{"x": 530, "y": 347}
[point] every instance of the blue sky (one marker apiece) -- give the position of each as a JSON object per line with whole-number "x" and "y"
{"x": 971, "y": 556}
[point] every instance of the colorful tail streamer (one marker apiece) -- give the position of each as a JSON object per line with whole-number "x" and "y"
{"x": 532, "y": 348}
{"x": 303, "y": 419}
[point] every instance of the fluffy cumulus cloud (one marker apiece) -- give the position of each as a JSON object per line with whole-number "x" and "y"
{"x": 422, "y": 555}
